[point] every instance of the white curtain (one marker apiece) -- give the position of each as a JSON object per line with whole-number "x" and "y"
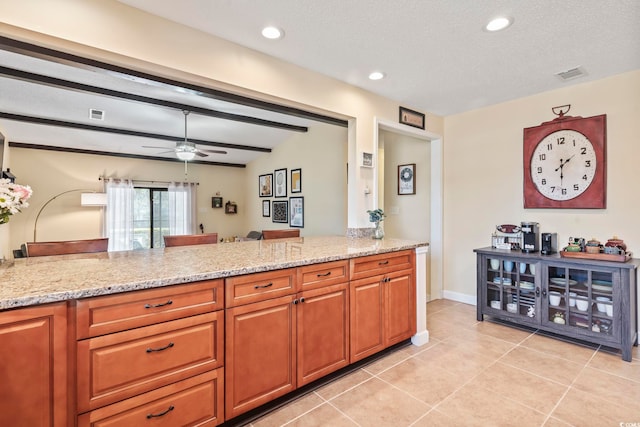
{"x": 119, "y": 214}
{"x": 182, "y": 208}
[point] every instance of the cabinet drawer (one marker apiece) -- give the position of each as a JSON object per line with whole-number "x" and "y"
{"x": 115, "y": 313}
{"x": 325, "y": 274}
{"x": 256, "y": 287}
{"x": 196, "y": 401}
{"x": 117, "y": 366}
{"x": 381, "y": 264}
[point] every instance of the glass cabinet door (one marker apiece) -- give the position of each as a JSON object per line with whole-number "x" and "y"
{"x": 511, "y": 287}
{"x": 580, "y": 298}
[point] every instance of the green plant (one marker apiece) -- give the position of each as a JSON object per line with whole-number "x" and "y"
{"x": 376, "y": 215}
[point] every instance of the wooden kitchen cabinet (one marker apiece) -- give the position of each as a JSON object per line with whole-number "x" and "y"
{"x": 323, "y": 332}
{"x": 33, "y": 373}
{"x": 281, "y": 343}
{"x": 260, "y": 353}
{"x": 382, "y": 302}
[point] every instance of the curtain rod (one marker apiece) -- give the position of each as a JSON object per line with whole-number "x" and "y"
{"x": 101, "y": 178}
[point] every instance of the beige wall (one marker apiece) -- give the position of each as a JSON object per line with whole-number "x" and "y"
{"x": 322, "y": 155}
{"x": 483, "y": 178}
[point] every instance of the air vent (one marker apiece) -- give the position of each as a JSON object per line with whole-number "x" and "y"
{"x": 571, "y": 74}
{"x": 96, "y": 114}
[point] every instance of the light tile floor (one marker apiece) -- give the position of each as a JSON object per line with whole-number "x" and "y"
{"x": 477, "y": 374}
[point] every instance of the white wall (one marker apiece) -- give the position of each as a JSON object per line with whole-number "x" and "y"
{"x": 483, "y": 173}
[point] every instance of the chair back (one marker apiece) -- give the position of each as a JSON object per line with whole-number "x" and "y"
{"x": 280, "y": 234}
{"x": 66, "y": 247}
{"x": 190, "y": 239}
{"x": 254, "y": 235}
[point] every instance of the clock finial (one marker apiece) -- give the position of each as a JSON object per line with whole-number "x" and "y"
{"x": 560, "y": 110}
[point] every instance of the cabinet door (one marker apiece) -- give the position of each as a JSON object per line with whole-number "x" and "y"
{"x": 260, "y": 354}
{"x": 33, "y": 373}
{"x": 400, "y": 307}
{"x": 367, "y": 322}
{"x": 323, "y": 332}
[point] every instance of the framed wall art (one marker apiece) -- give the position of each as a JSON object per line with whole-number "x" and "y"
{"x": 266, "y": 208}
{"x": 280, "y": 178}
{"x": 407, "y": 179}
{"x": 296, "y": 180}
{"x": 280, "y": 211}
{"x": 296, "y": 212}
{"x": 411, "y": 118}
{"x": 216, "y": 202}
{"x": 231, "y": 208}
{"x": 366, "y": 161}
{"x": 265, "y": 185}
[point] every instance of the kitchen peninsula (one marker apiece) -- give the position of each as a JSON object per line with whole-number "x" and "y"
{"x": 132, "y": 336}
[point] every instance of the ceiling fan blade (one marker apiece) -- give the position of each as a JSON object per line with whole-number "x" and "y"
{"x": 151, "y": 146}
{"x": 214, "y": 151}
{"x": 201, "y": 154}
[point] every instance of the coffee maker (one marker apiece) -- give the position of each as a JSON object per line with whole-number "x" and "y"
{"x": 529, "y": 236}
{"x": 549, "y": 243}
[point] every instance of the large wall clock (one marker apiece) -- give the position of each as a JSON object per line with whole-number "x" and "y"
{"x": 565, "y": 163}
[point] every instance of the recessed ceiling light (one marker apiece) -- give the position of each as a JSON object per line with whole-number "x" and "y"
{"x": 376, "y": 75}
{"x": 272, "y": 33}
{"x": 499, "y": 23}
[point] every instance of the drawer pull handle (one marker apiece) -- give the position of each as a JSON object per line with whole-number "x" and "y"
{"x": 169, "y": 409}
{"x": 383, "y": 262}
{"x": 151, "y": 350}
{"x": 268, "y": 285}
{"x": 169, "y": 302}
{"x": 328, "y": 273}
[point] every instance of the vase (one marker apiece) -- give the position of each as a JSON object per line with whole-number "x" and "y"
{"x": 378, "y": 232}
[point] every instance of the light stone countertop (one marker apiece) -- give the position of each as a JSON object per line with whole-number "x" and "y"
{"x": 39, "y": 280}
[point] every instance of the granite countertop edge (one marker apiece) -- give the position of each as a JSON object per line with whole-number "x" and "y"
{"x": 42, "y": 280}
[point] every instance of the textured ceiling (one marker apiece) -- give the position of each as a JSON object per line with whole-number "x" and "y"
{"x": 435, "y": 53}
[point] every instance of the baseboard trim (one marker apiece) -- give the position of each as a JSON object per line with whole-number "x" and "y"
{"x": 460, "y": 297}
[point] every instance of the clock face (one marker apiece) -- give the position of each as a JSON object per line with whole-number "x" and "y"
{"x": 563, "y": 165}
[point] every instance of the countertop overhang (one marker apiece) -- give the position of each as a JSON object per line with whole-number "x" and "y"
{"x": 33, "y": 281}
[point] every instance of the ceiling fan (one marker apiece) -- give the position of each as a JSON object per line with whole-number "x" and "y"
{"x": 187, "y": 150}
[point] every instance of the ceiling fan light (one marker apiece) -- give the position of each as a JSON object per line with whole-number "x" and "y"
{"x": 185, "y": 153}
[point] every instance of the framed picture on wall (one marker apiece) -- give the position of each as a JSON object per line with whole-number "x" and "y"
{"x": 265, "y": 185}
{"x": 366, "y": 161}
{"x": 296, "y": 180}
{"x": 280, "y": 178}
{"x": 266, "y": 208}
{"x": 296, "y": 212}
{"x": 280, "y": 210}
{"x": 216, "y": 202}
{"x": 411, "y": 118}
{"x": 407, "y": 179}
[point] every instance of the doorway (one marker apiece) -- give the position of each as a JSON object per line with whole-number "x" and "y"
{"x": 419, "y": 216}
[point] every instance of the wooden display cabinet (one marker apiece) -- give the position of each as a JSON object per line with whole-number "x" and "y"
{"x": 585, "y": 299}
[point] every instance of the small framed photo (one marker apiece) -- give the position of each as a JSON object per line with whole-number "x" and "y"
{"x": 280, "y": 210}
{"x": 265, "y": 185}
{"x": 230, "y": 208}
{"x": 296, "y": 212}
{"x": 411, "y": 118}
{"x": 280, "y": 177}
{"x": 366, "y": 161}
{"x": 266, "y": 208}
{"x": 216, "y": 202}
{"x": 407, "y": 179}
{"x": 296, "y": 180}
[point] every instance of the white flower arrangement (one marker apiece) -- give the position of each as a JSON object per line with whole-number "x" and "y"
{"x": 13, "y": 198}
